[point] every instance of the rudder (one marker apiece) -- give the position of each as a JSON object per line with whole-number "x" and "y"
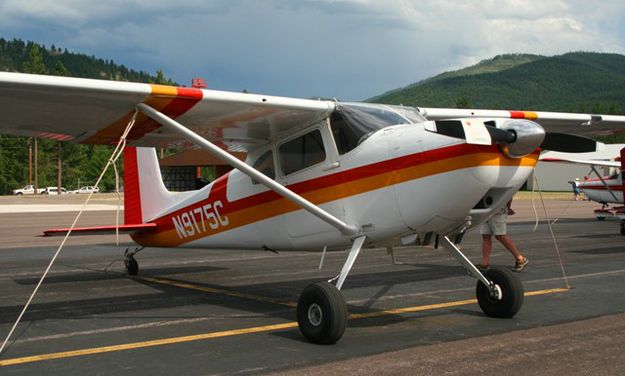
{"x": 145, "y": 195}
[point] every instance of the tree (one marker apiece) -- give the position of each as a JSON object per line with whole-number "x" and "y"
{"x": 60, "y": 70}
{"x": 160, "y": 78}
{"x": 35, "y": 61}
{"x": 462, "y": 102}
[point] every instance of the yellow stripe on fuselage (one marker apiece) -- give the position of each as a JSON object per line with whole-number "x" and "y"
{"x": 259, "y": 212}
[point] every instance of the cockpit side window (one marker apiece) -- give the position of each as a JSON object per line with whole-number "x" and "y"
{"x": 302, "y": 152}
{"x": 264, "y": 164}
{"x": 345, "y": 137}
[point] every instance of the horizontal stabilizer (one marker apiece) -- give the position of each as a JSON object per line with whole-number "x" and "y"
{"x": 103, "y": 230}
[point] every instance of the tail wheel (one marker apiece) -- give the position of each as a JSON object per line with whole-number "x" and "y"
{"x": 322, "y": 313}
{"x": 132, "y": 266}
{"x": 510, "y": 291}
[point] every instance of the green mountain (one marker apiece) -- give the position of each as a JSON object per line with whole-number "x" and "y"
{"x": 496, "y": 64}
{"x": 82, "y": 164}
{"x": 573, "y": 82}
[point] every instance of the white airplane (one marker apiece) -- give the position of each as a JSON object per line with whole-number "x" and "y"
{"x": 318, "y": 173}
{"x": 602, "y": 189}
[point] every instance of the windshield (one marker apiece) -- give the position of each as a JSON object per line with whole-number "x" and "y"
{"x": 409, "y": 113}
{"x": 352, "y": 123}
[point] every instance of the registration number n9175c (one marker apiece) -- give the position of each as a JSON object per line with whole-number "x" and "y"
{"x": 199, "y": 220}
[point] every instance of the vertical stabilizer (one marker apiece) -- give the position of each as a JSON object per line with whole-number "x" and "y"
{"x": 145, "y": 195}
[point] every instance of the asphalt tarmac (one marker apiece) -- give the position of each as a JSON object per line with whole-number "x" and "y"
{"x": 199, "y": 312}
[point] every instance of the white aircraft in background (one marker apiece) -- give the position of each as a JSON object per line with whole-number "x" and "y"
{"x": 318, "y": 173}
{"x": 602, "y": 189}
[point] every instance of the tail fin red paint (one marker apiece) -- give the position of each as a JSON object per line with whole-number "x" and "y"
{"x": 145, "y": 195}
{"x": 132, "y": 193}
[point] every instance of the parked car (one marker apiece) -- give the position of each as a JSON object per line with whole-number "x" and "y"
{"x": 87, "y": 189}
{"x": 54, "y": 191}
{"x": 28, "y": 190}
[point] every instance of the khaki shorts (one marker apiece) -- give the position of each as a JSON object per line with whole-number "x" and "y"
{"x": 496, "y": 225}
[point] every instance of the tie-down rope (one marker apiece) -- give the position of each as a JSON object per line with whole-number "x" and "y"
{"x": 119, "y": 149}
{"x": 549, "y": 223}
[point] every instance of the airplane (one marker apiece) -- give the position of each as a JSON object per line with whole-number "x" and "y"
{"x": 319, "y": 175}
{"x": 602, "y": 189}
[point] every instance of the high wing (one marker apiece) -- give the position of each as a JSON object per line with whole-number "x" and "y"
{"x": 589, "y": 125}
{"x": 96, "y": 112}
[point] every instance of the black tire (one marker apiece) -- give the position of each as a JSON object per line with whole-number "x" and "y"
{"x": 132, "y": 266}
{"x": 600, "y": 218}
{"x": 511, "y": 291}
{"x": 322, "y": 313}
{"x": 622, "y": 228}
{"x": 19, "y": 193}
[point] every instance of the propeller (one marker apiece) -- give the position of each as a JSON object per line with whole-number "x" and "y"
{"x": 518, "y": 137}
{"x": 562, "y": 142}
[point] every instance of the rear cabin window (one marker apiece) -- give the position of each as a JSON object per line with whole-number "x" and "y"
{"x": 302, "y": 152}
{"x": 264, "y": 164}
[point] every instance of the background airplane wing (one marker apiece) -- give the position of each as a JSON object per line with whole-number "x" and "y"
{"x": 588, "y": 125}
{"x": 588, "y": 162}
{"x": 97, "y": 112}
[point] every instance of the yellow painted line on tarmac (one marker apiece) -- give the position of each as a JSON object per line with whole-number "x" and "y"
{"x": 138, "y": 345}
{"x": 212, "y": 290}
{"x": 236, "y": 332}
{"x": 397, "y": 311}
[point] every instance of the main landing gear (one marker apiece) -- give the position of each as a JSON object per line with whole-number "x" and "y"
{"x": 322, "y": 311}
{"x": 321, "y": 308}
{"x": 131, "y": 264}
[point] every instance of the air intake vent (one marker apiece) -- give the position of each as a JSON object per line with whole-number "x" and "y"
{"x": 451, "y": 128}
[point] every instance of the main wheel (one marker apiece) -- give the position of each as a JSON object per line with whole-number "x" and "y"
{"x": 600, "y": 218}
{"x": 132, "y": 266}
{"x": 322, "y": 313}
{"x": 510, "y": 290}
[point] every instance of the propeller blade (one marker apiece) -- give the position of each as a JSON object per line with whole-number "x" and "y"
{"x": 500, "y": 136}
{"x": 568, "y": 143}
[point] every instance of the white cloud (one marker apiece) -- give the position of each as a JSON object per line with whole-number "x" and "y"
{"x": 351, "y": 49}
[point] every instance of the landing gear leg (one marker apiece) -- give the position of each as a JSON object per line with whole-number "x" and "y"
{"x": 131, "y": 264}
{"x": 499, "y": 292}
{"x": 321, "y": 308}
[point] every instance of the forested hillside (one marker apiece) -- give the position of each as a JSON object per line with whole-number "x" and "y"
{"x": 573, "y": 82}
{"x": 81, "y": 163}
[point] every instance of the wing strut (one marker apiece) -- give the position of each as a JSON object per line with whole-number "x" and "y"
{"x": 344, "y": 228}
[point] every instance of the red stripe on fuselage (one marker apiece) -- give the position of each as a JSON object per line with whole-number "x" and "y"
{"x": 218, "y": 191}
{"x": 617, "y": 187}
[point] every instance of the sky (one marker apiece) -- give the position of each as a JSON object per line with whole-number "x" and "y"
{"x": 347, "y": 49}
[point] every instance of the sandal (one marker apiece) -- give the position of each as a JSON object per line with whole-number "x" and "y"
{"x": 520, "y": 265}
{"x": 482, "y": 267}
